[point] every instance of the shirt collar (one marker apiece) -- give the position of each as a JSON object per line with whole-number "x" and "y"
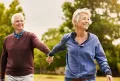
{"x": 18, "y": 35}
{"x": 73, "y": 35}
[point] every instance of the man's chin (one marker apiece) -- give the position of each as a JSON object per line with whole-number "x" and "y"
{"x": 19, "y": 29}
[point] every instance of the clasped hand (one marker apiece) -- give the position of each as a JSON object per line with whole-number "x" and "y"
{"x": 49, "y": 59}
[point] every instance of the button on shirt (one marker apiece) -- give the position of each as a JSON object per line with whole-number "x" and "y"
{"x": 80, "y": 58}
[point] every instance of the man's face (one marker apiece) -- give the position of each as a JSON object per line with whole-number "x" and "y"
{"x": 18, "y": 23}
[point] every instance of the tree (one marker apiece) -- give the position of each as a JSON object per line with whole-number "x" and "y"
{"x": 39, "y": 62}
{"x": 5, "y": 19}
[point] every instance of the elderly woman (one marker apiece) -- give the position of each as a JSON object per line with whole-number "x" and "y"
{"x": 82, "y": 49}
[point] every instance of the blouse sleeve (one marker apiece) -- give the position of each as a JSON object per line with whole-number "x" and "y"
{"x": 102, "y": 60}
{"x": 60, "y": 46}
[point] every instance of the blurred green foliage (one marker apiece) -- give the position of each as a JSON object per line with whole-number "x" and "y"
{"x": 5, "y": 19}
{"x": 104, "y": 25}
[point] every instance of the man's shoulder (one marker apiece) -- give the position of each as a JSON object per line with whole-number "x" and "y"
{"x": 29, "y": 33}
{"x": 9, "y": 36}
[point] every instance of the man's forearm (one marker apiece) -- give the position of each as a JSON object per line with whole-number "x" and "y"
{"x": 1, "y": 79}
{"x": 3, "y": 66}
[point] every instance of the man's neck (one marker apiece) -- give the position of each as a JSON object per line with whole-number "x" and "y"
{"x": 18, "y": 31}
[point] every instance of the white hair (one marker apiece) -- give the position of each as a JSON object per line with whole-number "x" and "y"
{"x": 16, "y": 14}
{"x": 76, "y": 15}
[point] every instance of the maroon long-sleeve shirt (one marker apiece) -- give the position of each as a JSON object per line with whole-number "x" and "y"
{"x": 17, "y": 56}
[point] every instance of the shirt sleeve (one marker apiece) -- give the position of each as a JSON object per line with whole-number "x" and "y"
{"x": 3, "y": 62}
{"x": 102, "y": 60}
{"x": 36, "y": 43}
{"x": 59, "y": 47}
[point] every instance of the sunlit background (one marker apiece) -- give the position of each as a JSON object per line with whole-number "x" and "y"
{"x": 43, "y": 14}
{"x": 40, "y": 14}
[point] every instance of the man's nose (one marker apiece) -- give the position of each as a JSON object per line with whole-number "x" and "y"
{"x": 87, "y": 20}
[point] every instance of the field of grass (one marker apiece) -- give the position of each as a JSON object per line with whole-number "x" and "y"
{"x": 61, "y": 78}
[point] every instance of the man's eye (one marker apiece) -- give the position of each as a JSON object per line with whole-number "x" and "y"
{"x": 21, "y": 20}
{"x": 17, "y": 21}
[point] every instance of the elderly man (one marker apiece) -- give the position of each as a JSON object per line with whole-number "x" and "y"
{"x": 17, "y": 56}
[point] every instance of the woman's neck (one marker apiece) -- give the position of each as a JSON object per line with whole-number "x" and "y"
{"x": 81, "y": 33}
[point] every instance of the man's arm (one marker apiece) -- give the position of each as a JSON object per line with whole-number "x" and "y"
{"x": 3, "y": 62}
{"x": 2, "y": 80}
{"x": 38, "y": 44}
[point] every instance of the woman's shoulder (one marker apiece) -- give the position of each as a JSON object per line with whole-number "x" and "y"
{"x": 93, "y": 35}
{"x": 67, "y": 35}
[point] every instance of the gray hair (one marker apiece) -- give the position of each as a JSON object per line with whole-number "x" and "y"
{"x": 76, "y": 15}
{"x": 16, "y": 14}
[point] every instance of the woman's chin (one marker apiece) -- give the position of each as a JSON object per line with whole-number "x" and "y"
{"x": 86, "y": 28}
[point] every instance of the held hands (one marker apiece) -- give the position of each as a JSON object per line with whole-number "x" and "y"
{"x": 109, "y": 78}
{"x": 49, "y": 59}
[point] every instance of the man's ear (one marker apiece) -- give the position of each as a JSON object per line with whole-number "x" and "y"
{"x": 12, "y": 25}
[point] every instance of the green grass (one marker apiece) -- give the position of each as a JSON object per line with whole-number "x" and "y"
{"x": 61, "y": 78}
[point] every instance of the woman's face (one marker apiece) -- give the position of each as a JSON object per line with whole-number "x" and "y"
{"x": 83, "y": 22}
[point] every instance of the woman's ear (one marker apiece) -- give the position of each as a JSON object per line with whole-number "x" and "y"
{"x": 75, "y": 22}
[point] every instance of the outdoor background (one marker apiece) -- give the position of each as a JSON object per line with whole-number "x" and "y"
{"x": 51, "y": 19}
